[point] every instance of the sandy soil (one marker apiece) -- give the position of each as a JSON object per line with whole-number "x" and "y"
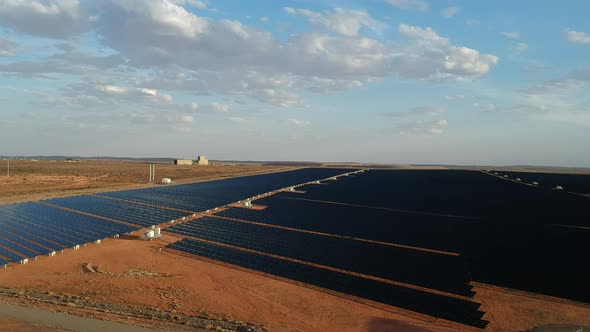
{"x": 40, "y": 179}
{"x": 193, "y": 286}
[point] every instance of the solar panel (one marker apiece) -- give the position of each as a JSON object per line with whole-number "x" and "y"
{"x": 140, "y": 215}
{"x": 203, "y": 196}
{"x": 393, "y": 263}
{"x": 462, "y": 311}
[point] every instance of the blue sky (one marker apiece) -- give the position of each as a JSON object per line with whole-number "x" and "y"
{"x": 397, "y": 81}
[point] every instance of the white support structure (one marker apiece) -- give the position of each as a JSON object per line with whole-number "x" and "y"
{"x": 153, "y": 234}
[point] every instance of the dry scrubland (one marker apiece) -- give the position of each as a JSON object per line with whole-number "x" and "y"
{"x": 38, "y": 179}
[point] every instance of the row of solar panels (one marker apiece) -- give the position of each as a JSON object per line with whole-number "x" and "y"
{"x": 31, "y": 229}
{"x": 450, "y": 308}
{"x": 388, "y": 262}
{"x": 202, "y": 196}
{"x": 412, "y": 229}
{"x": 141, "y": 215}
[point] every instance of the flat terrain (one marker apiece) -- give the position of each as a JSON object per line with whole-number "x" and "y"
{"x": 17, "y": 318}
{"x": 456, "y": 225}
{"x": 41, "y": 179}
{"x": 193, "y": 286}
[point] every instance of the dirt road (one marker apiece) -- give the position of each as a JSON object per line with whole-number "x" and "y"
{"x": 16, "y": 318}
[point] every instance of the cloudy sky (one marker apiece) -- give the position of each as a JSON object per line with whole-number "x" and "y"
{"x": 406, "y": 81}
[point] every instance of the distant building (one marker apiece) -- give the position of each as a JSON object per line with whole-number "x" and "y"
{"x": 202, "y": 161}
{"x": 187, "y": 162}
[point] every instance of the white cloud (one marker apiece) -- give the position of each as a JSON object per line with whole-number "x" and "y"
{"x": 511, "y": 35}
{"x": 409, "y": 4}
{"x": 555, "y": 100}
{"x": 264, "y": 19}
{"x": 155, "y": 94}
{"x": 554, "y": 108}
{"x": 577, "y": 37}
{"x": 7, "y": 47}
{"x": 485, "y": 106}
{"x": 186, "y": 118}
{"x": 463, "y": 61}
{"x": 561, "y": 86}
{"x": 433, "y": 57}
{"x": 298, "y": 123}
{"x": 158, "y": 45}
{"x": 425, "y": 36}
{"x": 455, "y": 97}
{"x": 421, "y": 127}
{"x": 167, "y": 19}
{"x": 218, "y": 107}
{"x": 521, "y": 48}
{"x": 343, "y": 21}
{"x": 193, "y": 3}
{"x": 111, "y": 88}
{"x": 51, "y": 18}
{"x": 472, "y": 22}
{"x": 417, "y": 112}
{"x": 236, "y": 119}
{"x": 147, "y": 91}
{"x": 279, "y": 98}
{"x": 450, "y": 11}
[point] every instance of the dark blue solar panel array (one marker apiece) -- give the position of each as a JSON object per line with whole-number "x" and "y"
{"x": 414, "y": 229}
{"x": 393, "y": 263}
{"x": 578, "y": 183}
{"x": 141, "y": 215}
{"x": 207, "y": 195}
{"x": 29, "y": 229}
{"x": 516, "y": 233}
{"x": 454, "y": 309}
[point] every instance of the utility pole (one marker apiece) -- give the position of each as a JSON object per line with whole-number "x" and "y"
{"x": 8, "y": 168}
{"x": 152, "y": 173}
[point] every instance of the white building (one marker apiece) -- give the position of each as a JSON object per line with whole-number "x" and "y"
{"x": 186, "y": 162}
{"x": 201, "y": 160}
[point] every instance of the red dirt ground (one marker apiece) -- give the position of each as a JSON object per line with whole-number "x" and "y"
{"x": 42, "y": 179}
{"x": 198, "y": 286}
